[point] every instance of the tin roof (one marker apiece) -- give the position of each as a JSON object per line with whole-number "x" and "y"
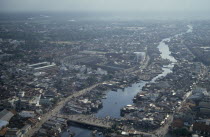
{"x": 6, "y": 115}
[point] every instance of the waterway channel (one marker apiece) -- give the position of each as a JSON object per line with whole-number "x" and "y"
{"x": 117, "y": 99}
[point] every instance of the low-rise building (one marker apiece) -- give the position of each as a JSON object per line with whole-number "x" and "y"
{"x": 13, "y": 133}
{"x": 27, "y": 114}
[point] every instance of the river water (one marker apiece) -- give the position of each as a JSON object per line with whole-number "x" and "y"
{"x": 117, "y": 99}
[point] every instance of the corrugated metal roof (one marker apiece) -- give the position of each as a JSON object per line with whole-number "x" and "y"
{"x": 6, "y": 115}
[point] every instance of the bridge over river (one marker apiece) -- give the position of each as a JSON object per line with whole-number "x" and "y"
{"x": 88, "y": 120}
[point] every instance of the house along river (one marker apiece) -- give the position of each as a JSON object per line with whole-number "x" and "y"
{"x": 116, "y": 100}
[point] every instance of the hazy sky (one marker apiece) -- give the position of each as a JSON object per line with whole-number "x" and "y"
{"x": 105, "y": 5}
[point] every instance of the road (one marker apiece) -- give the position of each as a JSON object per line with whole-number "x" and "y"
{"x": 57, "y": 109}
{"x": 162, "y": 131}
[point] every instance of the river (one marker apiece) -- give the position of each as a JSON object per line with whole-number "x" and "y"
{"x": 117, "y": 99}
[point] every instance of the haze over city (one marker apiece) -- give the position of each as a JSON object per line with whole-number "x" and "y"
{"x": 104, "y": 68}
{"x": 106, "y": 5}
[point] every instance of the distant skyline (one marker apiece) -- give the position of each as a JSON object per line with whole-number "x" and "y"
{"x": 105, "y": 5}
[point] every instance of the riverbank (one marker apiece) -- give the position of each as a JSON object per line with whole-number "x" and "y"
{"x": 116, "y": 100}
{"x": 159, "y": 73}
